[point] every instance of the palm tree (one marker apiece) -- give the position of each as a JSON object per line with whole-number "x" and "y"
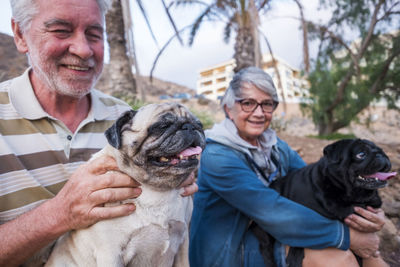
{"x": 122, "y": 47}
{"x": 240, "y": 16}
{"x": 120, "y": 68}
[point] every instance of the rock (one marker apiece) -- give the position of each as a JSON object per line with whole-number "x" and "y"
{"x": 390, "y": 239}
{"x": 391, "y": 208}
{"x": 390, "y": 243}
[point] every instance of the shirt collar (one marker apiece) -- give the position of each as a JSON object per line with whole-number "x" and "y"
{"x": 23, "y": 98}
{"x": 99, "y": 105}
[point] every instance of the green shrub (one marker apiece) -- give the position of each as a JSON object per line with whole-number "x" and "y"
{"x": 130, "y": 99}
{"x": 278, "y": 124}
{"x": 205, "y": 118}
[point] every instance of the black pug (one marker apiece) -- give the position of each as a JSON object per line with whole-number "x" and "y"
{"x": 348, "y": 175}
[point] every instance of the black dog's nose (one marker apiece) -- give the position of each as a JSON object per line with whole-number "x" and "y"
{"x": 188, "y": 127}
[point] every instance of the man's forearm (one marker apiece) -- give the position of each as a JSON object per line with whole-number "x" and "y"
{"x": 27, "y": 234}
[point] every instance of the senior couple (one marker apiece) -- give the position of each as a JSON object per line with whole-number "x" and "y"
{"x": 52, "y": 120}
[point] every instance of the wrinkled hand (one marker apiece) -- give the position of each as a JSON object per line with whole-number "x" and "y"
{"x": 365, "y": 245}
{"x": 189, "y": 186}
{"x": 368, "y": 220}
{"x": 80, "y": 203}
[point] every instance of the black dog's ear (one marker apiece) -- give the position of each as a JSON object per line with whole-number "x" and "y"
{"x": 334, "y": 152}
{"x": 114, "y": 133}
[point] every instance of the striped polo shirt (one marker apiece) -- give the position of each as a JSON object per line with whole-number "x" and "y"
{"x": 38, "y": 153}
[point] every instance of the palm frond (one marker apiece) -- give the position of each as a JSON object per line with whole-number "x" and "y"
{"x": 227, "y": 31}
{"x": 163, "y": 48}
{"x": 275, "y": 66}
{"x": 306, "y": 57}
{"x": 188, "y": 2}
{"x": 171, "y": 20}
{"x": 144, "y": 13}
{"x": 264, "y": 4}
{"x": 197, "y": 23}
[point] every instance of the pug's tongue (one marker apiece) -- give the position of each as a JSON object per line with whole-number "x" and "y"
{"x": 382, "y": 175}
{"x": 190, "y": 151}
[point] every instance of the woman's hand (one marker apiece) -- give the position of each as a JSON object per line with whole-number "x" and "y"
{"x": 368, "y": 220}
{"x": 189, "y": 186}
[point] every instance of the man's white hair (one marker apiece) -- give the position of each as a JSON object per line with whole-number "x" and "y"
{"x": 23, "y": 11}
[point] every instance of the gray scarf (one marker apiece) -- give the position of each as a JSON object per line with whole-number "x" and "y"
{"x": 265, "y": 155}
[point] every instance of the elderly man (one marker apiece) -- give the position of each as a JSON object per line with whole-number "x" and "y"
{"x": 51, "y": 121}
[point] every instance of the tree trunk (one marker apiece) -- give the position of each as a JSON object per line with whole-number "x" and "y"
{"x": 328, "y": 125}
{"x": 325, "y": 128}
{"x": 120, "y": 69}
{"x": 244, "y": 49}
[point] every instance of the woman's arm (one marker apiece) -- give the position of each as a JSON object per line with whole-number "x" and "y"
{"x": 290, "y": 223}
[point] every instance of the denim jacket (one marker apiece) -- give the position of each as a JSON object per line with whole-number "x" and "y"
{"x": 231, "y": 195}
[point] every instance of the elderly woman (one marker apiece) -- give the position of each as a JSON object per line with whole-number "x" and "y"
{"x": 232, "y": 194}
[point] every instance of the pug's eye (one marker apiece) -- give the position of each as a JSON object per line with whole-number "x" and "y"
{"x": 361, "y": 155}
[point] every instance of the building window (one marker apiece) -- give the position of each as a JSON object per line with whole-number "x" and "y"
{"x": 206, "y": 73}
{"x": 220, "y": 69}
{"x": 220, "y": 80}
{"x": 206, "y": 83}
{"x": 221, "y": 90}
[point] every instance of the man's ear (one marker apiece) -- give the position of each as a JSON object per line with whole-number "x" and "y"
{"x": 19, "y": 38}
{"x": 114, "y": 133}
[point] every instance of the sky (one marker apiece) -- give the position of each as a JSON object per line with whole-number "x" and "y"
{"x": 181, "y": 64}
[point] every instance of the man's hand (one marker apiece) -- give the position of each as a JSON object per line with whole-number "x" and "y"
{"x": 189, "y": 186}
{"x": 365, "y": 245}
{"x": 368, "y": 220}
{"x": 80, "y": 203}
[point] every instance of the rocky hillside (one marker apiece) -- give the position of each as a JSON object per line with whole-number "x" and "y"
{"x": 152, "y": 89}
{"x": 12, "y": 63}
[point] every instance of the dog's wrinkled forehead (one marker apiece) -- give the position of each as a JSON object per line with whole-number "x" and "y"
{"x": 357, "y": 149}
{"x": 137, "y": 123}
{"x": 159, "y": 112}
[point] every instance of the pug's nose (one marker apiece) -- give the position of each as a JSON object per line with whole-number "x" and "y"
{"x": 188, "y": 127}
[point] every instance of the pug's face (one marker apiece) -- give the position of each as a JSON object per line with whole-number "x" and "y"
{"x": 158, "y": 145}
{"x": 359, "y": 163}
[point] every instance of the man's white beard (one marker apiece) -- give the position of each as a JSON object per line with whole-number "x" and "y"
{"x": 58, "y": 85}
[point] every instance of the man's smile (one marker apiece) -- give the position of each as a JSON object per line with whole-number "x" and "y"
{"x": 74, "y": 67}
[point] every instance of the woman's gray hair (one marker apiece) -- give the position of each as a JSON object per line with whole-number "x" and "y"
{"x": 251, "y": 75}
{"x": 23, "y": 11}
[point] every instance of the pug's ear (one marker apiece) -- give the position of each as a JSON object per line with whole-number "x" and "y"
{"x": 114, "y": 133}
{"x": 336, "y": 151}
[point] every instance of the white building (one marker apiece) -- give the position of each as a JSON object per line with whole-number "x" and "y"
{"x": 214, "y": 80}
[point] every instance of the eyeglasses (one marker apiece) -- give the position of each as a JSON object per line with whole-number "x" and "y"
{"x": 249, "y": 105}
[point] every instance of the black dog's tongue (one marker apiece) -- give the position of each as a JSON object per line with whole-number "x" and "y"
{"x": 383, "y": 176}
